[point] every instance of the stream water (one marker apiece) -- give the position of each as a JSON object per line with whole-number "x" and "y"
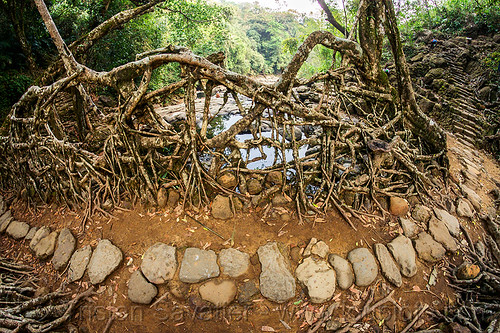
{"x": 228, "y": 115}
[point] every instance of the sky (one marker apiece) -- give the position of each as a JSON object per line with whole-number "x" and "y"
{"x": 302, "y": 6}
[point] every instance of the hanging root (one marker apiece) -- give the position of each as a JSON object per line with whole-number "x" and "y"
{"x": 356, "y": 136}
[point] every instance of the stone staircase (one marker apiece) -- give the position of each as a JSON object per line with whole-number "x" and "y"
{"x": 468, "y": 119}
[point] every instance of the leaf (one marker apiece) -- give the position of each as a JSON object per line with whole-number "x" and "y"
{"x": 267, "y": 329}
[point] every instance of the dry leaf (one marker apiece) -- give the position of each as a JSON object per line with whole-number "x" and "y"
{"x": 267, "y": 329}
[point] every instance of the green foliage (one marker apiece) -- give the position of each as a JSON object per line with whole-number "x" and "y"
{"x": 450, "y": 16}
{"x": 13, "y": 85}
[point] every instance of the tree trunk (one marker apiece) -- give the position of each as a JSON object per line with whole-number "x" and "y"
{"x": 332, "y": 19}
{"x": 419, "y": 123}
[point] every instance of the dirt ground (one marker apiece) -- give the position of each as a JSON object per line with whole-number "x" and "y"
{"x": 134, "y": 230}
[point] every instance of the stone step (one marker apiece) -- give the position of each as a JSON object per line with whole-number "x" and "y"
{"x": 466, "y": 134}
{"x": 465, "y": 121}
{"x": 469, "y": 128}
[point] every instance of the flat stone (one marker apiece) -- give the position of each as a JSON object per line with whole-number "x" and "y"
{"x": 438, "y": 230}
{"x": 228, "y": 180}
{"x": 66, "y": 244}
{"x": 221, "y": 208}
{"x": 449, "y": 220}
{"x": 428, "y": 249}
{"x": 464, "y": 209}
{"x": 39, "y": 234}
{"x": 18, "y": 230}
{"x": 254, "y": 186}
{"x": 233, "y": 262}
{"x": 318, "y": 278}
{"x": 307, "y": 250}
{"x": 410, "y": 228}
{"x": 364, "y": 266}
{"x": 31, "y": 233}
{"x": 404, "y": 254}
{"x": 320, "y": 249}
{"x": 46, "y": 246}
{"x": 275, "y": 178}
{"x": 247, "y": 291}
{"x": 421, "y": 213}
{"x": 218, "y": 292}
{"x": 162, "y": 197}
{"x": 198, "y": 265}
{"x": 140, "y": 290}
{"x": 472, "y": 196}
{"x": 78, "y": 263}
{"x": 5, "y": 220}
{"x": 343, "y": 270}
{"x": 173, "y": 198}
{"x": 389, "y": 268}
{"x": 104, "y": 261}
{"x": 398, "y": 206}
{"x": 276, "y": 282}
{"x": 159, "y": 263}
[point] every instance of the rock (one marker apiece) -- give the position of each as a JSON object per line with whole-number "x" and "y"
{"x": 78, "y": 263}
{"x": 218, "y": 292}
{"x": 404, "y": 254}
{"x": 421, "y": 214}
{"x": 464, "y": 209}
{"x": 428, "y": 249}
{"x": 18, "y": 230}
{"x": 254, "y": 186}
{"x": 473, "y": 197}
{"x": 276, "y": 281}
{"x": 247, "y": 291}
{"x": 318, "y": 277}
{"x": 198, "y": 265}
{"x": 66, "y": 244}
{"x": 221, "y": 208}
{"x": 104, "y": 261}
{"x": 46, "y": 246}
{"x": 295, "y": 254}
{"x": 320, "y": 249}
{"x": 159, "y": 263}
{"x": 31, "y": 233}
{"x": 434, "y": 73}
{"x": 279, "y": 200}
{"x": 438, "y": 230}
{"x": 364, "y": 266}
{"x": 179, "y": 289}
{"x": 409, "y": 227}
{"x": 5, "y": 220}
{"x": 285, "y": 217}
{"x": 398, "y": 206}
{"x": 140, "y": 290}
{"x": 449, "y": 220}
{"x": 233, "y": 262}
{"x": 389, "y": 268}
{"x": 162, "y": 197}
{"x": 307, "y": 250}
{"x": 468, "y": 271}
{"x": 343, "y": 270}
{"x": 39, "y": 234}
{"x": 228, "y": 180}
{"x": 238, "y": 204}
{"x": 275, "y": 178}
{"x": 173, "y": 198}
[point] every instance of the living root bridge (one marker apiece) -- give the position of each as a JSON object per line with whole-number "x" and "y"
{"x": 95, "y": 155}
